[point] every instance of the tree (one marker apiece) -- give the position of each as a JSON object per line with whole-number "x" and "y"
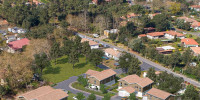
{"x": 86, "y": 50}
{"x": 55, "y": 51}
{"x": 190, "y": 93}
{"x": 124, "y": 61}
{"x": 91, "y": 97}
{"x": 175, "y": 59}
{"x": 151, "y": 74}
{"x": 106, "y": 97}
{"x": 66, "y": 49}
{"x": 132, "y": 96}
{"x": 95, "y": 56}
{"x": 136, "y": 45}
{"x": 103, "y": 89}
{"x": 41, "y": 61}
{"x": 77, "y": 43}
{"x": 187, "y": 56}
{"x": 82, "y": 81}
{"x": 161, "y": 22}
{"x": 80, "y": 96}
{"x": 134, "y": 67}
{"x": 175, "y": 7}
{"x": 73, "y": 56}
{"x": 113, "y": 36}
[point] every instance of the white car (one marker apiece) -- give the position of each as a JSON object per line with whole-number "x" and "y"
{"x": 74, "y": 98}
{"x": 96, "y": 35}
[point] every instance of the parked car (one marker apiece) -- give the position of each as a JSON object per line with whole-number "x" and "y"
{"x": 96, "y": 35}
{"x": 75, "y": 98}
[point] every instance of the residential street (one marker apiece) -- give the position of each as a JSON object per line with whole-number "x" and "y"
{"x": 146, "y": 62}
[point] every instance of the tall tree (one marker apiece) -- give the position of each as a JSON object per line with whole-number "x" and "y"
{"x": 95, "y": 56}
{"x": 190, "y": 93}
{"x": 124, "y": 61}
{"x": 80, "y": 96}
{"x": 73, "y": 56}
{"x": 91, "y": 97}
{"x": 134, "y": 67}
{"x": 187, "y": 56}
{"x": 86, "y": 50}
{"x": 106, "y": 97}
{"x": 55, "y": 51}
{"x": 151, "y": 74}
{"x": 162, "y": 22}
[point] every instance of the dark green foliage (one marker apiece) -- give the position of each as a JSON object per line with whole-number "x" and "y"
{"x": 151, "y": 74}
{"x": 187, "y": 56}
{"x": 82, "y": 81}
{"x": 103, "y": 89}
{"x": 95, "y": 56}
{"x": 55, "y": 51}
{"x": 132, "y": 96}
{"x": 190, "y": 93}
{"x": 4, "y": 90}
{"x": 66, "y": 49}
{"x": 73, "y": 56}
{"x": 106, "y": 97}
{"x": 112, "y": 36}
{"x": 64, "y": 24}
{"x": 136, "y": 45}
{"x": 86, "y": 50}
{"x": 180, "y": 23}
{"x": 138, "y": 9}
{"x": 162, "y": 22}
{"x": 91, "y": 97}
{"x": 169, "y": 82}
{"x": 80, "y": 96}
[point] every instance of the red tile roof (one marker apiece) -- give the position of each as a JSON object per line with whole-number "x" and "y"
{"x": 90, "y": 41}
{"x": 159, "y": 93}
{"x": 113, "y": 52}
{"x": 102, "y": 75}
{"x": 129, "y": 89}
{"x": 18, "y": 44}
{"x": 91, "y": 72}
{"x": 131, "y": 79}
{"x": 195, "y": 24}
{"x": 45, "y": 93}
{"x": 188, "y": 41}
{"x": 156, "y": 34}
{"x": 196, "y": 50}
{"x": 195, "y": 6}
{"x": 142, "y": 35}
{"x": 132, "y": 15}
{"x": 174, "y": 33}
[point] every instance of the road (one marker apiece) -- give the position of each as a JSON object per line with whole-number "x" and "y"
{"x": 145, "y": 62}
{"x": 193, "y": 33}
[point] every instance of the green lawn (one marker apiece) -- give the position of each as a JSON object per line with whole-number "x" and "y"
{"x": 71, "y": 95}
{"x": 63, "y": 70}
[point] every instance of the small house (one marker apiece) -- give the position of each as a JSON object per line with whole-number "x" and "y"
{"x": 195, "y": 7}
{"x": 17, "y": 45}
{"x": 165, "y": 49}
{"x": 189, "y": 42}
{"x": 10, "y": 38}
{"x": 142, "y": 35}
{"x": 195, "y": 50}
{"x": 173, "y": 34}
{"x": 155, "y": 35}
{"x": 112, "y": 31}
{"x": 96, "y": 78}
{"x": 44, "y": 93}
{"x": 112, "y": 53}
{"x": 93, "y": 44}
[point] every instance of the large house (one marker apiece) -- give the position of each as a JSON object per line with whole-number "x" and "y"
{"x": 195, "y": 50}
{"x": 155, "y": 35}
{"x": 112, "y": 53}
{"x": 134, "y": 83}
{"x": 44, "y": 93}
{"x": 173, "y": 34}
{"x": 189, "y": 42}
{"x": 195, "y": 7}
{"x": 96, "y": 78}
{"x": 112, "y": 31}
{"x": 156, "y": 94}
{"x": 93, "y": 44}
{"x": 17, "y": 45}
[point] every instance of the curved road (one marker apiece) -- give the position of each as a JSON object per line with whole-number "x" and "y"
{"x": 146, "y": 62}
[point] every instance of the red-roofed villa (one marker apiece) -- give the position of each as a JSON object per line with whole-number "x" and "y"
{"x": 17, "y": 45}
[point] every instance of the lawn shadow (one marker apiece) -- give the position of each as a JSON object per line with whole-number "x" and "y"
{"x": 62, "y": 61}
{"x": 51, "y": 70}
{"x": 81, "y": 65}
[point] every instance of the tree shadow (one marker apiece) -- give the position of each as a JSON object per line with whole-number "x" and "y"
{"x": 81, "y": 65}
{"x": 51, "y": 70}
{"x": 62, "y": 61}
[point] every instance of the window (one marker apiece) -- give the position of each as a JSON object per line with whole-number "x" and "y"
{"x": 136, "y": 87}
{"x": 94, "y": 81}
{"x": 120, "y": 83}
{"x": 139, "y": 89}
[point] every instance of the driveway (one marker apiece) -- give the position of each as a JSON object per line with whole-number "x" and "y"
{"x": 146, "y": 63}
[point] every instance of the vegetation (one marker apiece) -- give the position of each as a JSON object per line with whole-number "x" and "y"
{"x": 80, "y": 96}
{"x": 190, "y": 93}
{"x": 132, "y": 96}
{"x": 91, "y": 97}
{"x": 82, "y": 81}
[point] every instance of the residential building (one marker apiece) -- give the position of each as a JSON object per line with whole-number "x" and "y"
{"x": 195, "y": 50}
{"x": 156, "y": 94}
{"x": 44, "y": 93}
{"x": 195, "y": 7}
{"x": 17, "y": 45}
{"x": 194, "y": 24}
{"x": 155, "y": 35}
{"x": 10, "y": 38}
{"x": 138, "y": 84}
{"x": 142, "y": 35}
{"x": 93, "y": 44}
{"x": 112, "y": 53}
{"x": 112, "y": 31}
{"x": 96, "y": 78}
{"x": 165, "y": 49}
{"x": 173, "y": 34}
{"x": 189, "y": 42}
{"x": 132, "y": 15}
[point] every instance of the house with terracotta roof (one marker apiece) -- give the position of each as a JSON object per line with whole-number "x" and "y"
{"x": 132, "y": 15}
{"x": 44, "y": 93}
{"x": 96, "y": 78}
{"x": 194, "y": 23}
{"x": 142, "y": 35}
{"x": 172, "y": 34}
{"x": 112, "y": 53}
{"x": 155, "y": 35}
{"x": 17, "y": 45}
{"x": 189, "y": 42}
{"x": 93, "y": 44}
{"x": 195, "y": 50}
{"x": 138, "y": 84}
{"x": 195, "y": 7}
{"x": 156, "y": 94}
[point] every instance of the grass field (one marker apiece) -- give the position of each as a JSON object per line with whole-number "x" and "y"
{"x": 63, "y": 70}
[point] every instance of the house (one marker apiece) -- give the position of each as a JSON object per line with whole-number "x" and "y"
{"x": 44, "y": 93}
{"x": 173, "y": 34}
{"x": 112, "y": 31}
{"x": 165, "y": 49}
{"x": 194, "y": 24}
{"x": 195, "y": 50}
{"x": 112, "y": 53}
{"x": 195, "y": 7}
{"x": 138, "y": 84}
{"x": 189, "y": 42}
{"x": 96, "y": 78}
{"x": 17, "y": 45}
{"x": 93, "y": 44}
{"x": 132, "y": 15}
{"x": 156, "y": 94}
{"x": 3, "y": 22}
{"x": 142, "y": 35}
{"x": 156, "y": 72}
{"x": 155, "y": 35}
{"x": 11, "y": 38}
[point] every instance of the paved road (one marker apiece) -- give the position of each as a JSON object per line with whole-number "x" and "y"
{"x": 193, "y": 33}
{"x": 145, "y": 62}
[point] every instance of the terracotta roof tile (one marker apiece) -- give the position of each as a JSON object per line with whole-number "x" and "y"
{"x": 195, "y": 6}
{"x": 188, "y": 41}
{"x": 91, "y": 72}
{"x": 131, "y": 79}
{"x": 142, "y": 35}
{"x": 196, "y": 50}
{"x": 90, "y": 41}
{"x": 19, "y": 43}
{"x": 174, "y": 33}
{"x": 103, "y": 74}
{"x": 129, "y": 89}
{"x": 156, "y": 34}
{"x": 159, "y": 93}
{"x": 45, "y": 93}
{"x": 113, "y": 52}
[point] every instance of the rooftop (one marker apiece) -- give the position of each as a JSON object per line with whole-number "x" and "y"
{"x": 44, "y": 93}
{"x": 19, "y": 43}
{"x": 174, "y": 33}
{"x": 129, "y": 89}
{"x": 113, "y": 52}
{"x": 195, "y": 6}
{"x": 90, "y": 41}
{"x": 101, "y": 75}
{"x": 187, "y": 19}
{"x": 156, "y": 34}
{"x": 188, "y": 41}
{"x": 131, "y": 79}
{"x": 142, "y": 35}
{"x": 159, "y": 93}
{"x": 196, "y": 50}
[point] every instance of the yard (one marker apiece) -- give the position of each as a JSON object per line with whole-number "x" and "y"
{"x": 63, "y": 70}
